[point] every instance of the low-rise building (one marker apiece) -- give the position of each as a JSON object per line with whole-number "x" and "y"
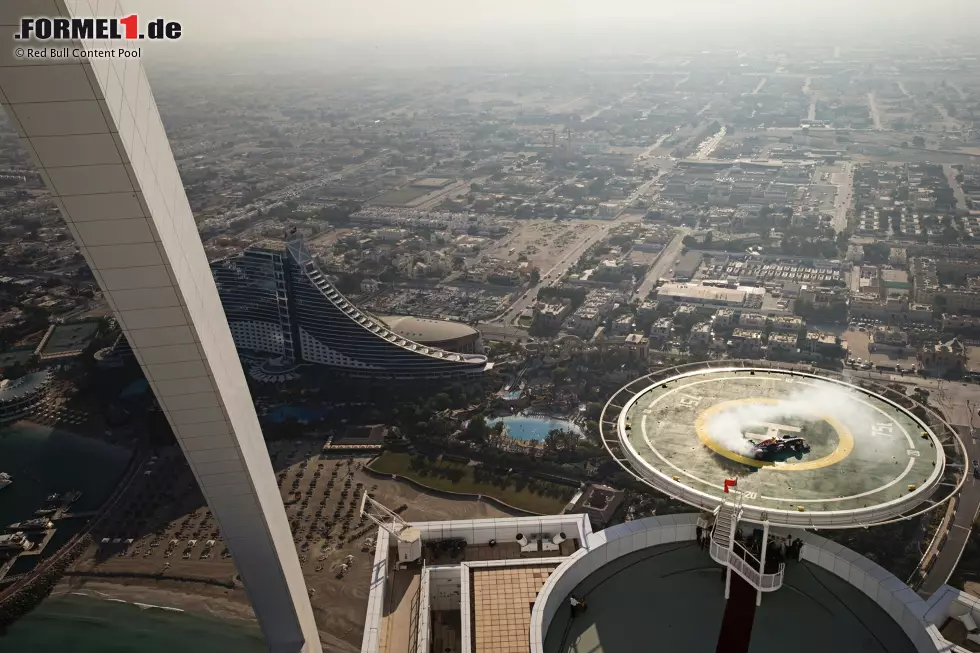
{"x": 701, "y": 336}
{"x": 685, "y": 313}
{"x": 584, "y": 323}
{"x": 551, "y": 315}
{"x": 945, "y": 359}
{"x": 724, "y": 318}
{"x": 661, "y": 330}
{"x": 788, "y": 324}
{"x": 888, "y": 339}
{"x": 959, "y": 323}
{"x": 822, "y": 344}
{"x": 622, "y": 325}
{"x": 957, "y": 298}
{"x": 708, "y": 295}
{"x": 746, "y": 342}
{"x": 782, "y": 345}
{"x": 599, "y": 502}
{"x": 638, "y": 346}
{"x": 688, "y": 266}
{"x": 63, "y": 341}
{"x": 822, "y": 298}
{"x": 894, "y": 309}
{"x": 648, "y": 309}
{"x": 752, "y": 321}
{"x": 950, "y": 298}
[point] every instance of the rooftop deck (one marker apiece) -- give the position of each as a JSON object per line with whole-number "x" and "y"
{"x": 671, "y": 598}
{"x": 502, "y": 601}
{"x": 503, "y": 596}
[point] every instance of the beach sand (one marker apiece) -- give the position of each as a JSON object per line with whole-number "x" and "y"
{"x": 226, "y": 608}
{"x": 219, "y": 603}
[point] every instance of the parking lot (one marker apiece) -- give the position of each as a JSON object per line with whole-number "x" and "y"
{"x": 857, "y": 348}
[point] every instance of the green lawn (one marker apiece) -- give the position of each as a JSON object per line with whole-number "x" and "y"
{"x": 534, "y": 495}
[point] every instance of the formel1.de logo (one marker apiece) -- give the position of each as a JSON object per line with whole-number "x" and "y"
{"x": 127, "y": 28}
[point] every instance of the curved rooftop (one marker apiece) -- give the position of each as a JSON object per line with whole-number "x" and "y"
{"x": 17, "y": 389}
{"x": 370, "y": 330}
{"x": 651, "y": 583}
{"x": 426, "y": 330}
{"x": 279, "y": 302}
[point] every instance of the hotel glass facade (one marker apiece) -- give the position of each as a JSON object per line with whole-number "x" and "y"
{"x": 279, "y": 302}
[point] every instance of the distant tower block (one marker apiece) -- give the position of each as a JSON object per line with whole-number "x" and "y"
{"x": 93, "y": 130}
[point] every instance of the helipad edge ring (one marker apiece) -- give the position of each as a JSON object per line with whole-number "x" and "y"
{"x": 863, "y": 508}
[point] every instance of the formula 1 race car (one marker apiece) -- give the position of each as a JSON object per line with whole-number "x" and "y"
{"x": 779, "y": 448}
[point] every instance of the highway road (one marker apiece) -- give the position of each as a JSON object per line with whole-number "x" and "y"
{"x": 645, "y": 154}
{"x": 709, "y": 145}
{"x": 842, "y": 200}
{"x": 660, "y": 267}
{"x": 955, "y": 185}
{"x": 873, "y": 108}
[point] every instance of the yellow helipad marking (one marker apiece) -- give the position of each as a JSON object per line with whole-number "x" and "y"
{"x": 845, "y": 440}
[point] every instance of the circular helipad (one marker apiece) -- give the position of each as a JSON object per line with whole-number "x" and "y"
{"x": 805, "y": 450}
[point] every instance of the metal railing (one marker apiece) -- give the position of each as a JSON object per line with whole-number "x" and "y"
{"x": 718, "y": 552}
{"x": 744, "y": 568}
{"x": 760, "y": 581}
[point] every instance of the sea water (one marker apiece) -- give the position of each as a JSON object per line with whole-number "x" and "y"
{"x": 79, "y": 624}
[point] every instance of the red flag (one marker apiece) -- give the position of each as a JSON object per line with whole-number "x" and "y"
{"x": 730, "y": 483}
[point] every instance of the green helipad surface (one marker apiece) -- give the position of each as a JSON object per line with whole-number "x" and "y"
{"x": 700, "y": 429}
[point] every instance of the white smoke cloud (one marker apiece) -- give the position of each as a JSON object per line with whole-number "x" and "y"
{"x": 728, "y": 427}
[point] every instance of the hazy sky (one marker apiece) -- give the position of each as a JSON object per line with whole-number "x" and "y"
{"x": 242, "y": 20}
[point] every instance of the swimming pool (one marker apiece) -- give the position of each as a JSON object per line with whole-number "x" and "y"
{"x": 533, "y": 427}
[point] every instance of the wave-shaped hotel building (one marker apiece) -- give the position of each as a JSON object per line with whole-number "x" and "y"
{"x": 280, "y": 303}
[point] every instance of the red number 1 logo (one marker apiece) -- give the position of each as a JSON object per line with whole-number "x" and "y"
{"x": 129, "y": 22}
